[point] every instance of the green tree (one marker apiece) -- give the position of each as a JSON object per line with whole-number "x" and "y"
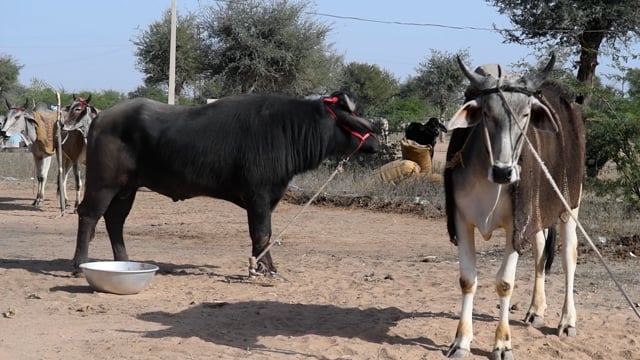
{"x": 264, "y": 46}
{"x": 153, "y": 52}
{"x": 150, "y": 92}
{"x": 440, "y": 82}
{"x": 372, "y": 86}
{"x": 632, "y": 79}
{"x": 9, "y": 71}
{"x": 403, "y": 110}
{"x": 589, "y": 27}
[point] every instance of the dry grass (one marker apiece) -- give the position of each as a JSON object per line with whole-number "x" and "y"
{"x": 602, "y": 216}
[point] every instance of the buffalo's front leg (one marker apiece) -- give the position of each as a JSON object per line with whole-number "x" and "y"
{"x": 259, "y": 216}
{"x": 90, "y": 211}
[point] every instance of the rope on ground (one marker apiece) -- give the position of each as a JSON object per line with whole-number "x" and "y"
{"x": 253, "y": 261}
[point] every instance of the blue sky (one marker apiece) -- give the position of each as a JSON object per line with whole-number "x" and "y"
{"x": 87, "y": 45}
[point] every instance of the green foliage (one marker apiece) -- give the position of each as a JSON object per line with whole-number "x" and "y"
{"x": 373, "y": 86}
{"x": 150, "y": 92}
{"x": 581, "y": 25}
{"x": 265, "y": 46}
{"x": 440, "y": 82}
{"x": 9, "y": 71}
{"x": 38, "y": 91}
{"x": 153, "y": 52}
{"x": 613, "y": 134}
{"x": 400, "y": 111}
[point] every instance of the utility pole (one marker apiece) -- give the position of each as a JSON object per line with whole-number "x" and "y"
{"x": 172, "y": 56}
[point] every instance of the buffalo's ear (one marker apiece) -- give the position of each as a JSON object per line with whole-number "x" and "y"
{"x": 542, "y": 117}
{"x": 466, "y": 116}
{"x": 345, "y": 100}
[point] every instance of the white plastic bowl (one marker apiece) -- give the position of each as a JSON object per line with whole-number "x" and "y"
{"x": 118, "y": 277}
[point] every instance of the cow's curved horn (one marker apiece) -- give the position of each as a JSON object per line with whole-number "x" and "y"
{"x": 88, "y": 99}
{"x": 26, "y": 103}
{"x": 542, "y": 75}
{"x": 7, "y": 102}
{"x": 476, "y": 80}
{"x": 73, "y": 96}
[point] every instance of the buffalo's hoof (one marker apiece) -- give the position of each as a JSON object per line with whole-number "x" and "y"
{"x": 261, "y": 269}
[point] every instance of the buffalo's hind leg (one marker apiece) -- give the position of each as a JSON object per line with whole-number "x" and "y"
{"x": 259, "y": 218}
{"x": 114, "y": 219}
{"x": 93, "y": 206}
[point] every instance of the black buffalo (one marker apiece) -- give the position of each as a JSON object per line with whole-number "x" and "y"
{"x": 426, "y": 134}
{"x": 244, "y": 149}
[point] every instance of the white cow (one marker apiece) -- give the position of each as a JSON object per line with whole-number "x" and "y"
{"x": 492, "y": 181}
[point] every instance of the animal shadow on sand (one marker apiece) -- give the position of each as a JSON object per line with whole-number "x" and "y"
{"x": 17, "y": 204}
{"x": 241, "y": 324}
{"x": 63, "y": 267}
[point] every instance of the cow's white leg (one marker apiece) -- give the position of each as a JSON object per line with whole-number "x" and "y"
{"x": 66, "y": 166}
{"x": 505, "y": 281}
{"x": 569, "y": 259}
{"x": 42, "y": 170}
{"x": 78, "y": 179}
{"x": 535, "y": 315}
{"x": 461, "y": 345}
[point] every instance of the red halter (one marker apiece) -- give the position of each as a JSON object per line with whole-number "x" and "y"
{"x": 84, "y": 105}
{"x": 362, "y": 138}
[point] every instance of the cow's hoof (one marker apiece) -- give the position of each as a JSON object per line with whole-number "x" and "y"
{"x": 567, "y": 329}
{"x": 498, "y": 354}
{"x": 456, "y": 352}
{"x": 534, "y": 319}
{"x": 37, "y": 203}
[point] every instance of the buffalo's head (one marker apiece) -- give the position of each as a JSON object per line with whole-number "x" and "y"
{"x": 357, "y": 132}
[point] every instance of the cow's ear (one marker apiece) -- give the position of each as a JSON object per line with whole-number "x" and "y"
{"x": 30, "y": 119}
{"x": 542, "y": 117}
{"x": 466, "y": 116}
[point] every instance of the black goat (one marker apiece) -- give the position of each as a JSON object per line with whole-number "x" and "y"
{"x": 426, "y": 134}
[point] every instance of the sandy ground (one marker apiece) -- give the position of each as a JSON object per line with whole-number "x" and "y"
{"x": 355, "y": 284}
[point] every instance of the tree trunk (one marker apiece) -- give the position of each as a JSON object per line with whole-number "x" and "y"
{"x": 590, "y": 41}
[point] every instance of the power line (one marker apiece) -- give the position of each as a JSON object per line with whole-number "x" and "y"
{"x": 404, "y": 23}
{"x": 453, "y": 27}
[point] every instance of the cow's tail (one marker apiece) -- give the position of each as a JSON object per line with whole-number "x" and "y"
{"x": 550, "y": 247}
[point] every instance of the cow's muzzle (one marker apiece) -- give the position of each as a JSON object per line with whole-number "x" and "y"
{"x": 504, "y": 174}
